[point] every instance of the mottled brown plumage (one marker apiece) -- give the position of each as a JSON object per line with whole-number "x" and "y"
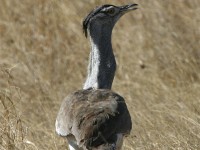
{"x": 93, "y": 117}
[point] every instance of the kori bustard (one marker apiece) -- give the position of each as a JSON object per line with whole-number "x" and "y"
{"x": 96, "y": 118}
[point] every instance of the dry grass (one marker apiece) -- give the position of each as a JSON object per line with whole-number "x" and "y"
{"x": 44, "y": 55}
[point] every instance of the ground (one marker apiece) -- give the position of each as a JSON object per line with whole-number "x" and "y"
{"x": 44, "y": 56}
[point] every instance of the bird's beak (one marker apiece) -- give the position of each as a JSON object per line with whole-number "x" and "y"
{"x": 126, "y": 8}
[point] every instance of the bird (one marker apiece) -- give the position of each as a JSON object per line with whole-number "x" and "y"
{"x": 95, "y": 117}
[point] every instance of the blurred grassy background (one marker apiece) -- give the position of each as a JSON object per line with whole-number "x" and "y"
{"x": 44, "y": 56}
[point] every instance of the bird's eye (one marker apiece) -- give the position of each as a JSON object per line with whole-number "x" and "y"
{"x": 111, "y": 11}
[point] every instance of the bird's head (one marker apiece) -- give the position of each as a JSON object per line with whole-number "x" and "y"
{"x": 106, "y": 15}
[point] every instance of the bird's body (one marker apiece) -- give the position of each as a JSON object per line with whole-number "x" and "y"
{"x": 93, "y": 118}
{"x": 96, "y": 118}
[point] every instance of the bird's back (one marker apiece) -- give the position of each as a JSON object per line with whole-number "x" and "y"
{"x": 93, "y": 117}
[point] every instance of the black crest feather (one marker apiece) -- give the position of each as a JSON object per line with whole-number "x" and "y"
{"x": 90, "y": 15}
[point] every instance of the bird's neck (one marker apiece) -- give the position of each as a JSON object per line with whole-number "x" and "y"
{"x": 102, "y": 65}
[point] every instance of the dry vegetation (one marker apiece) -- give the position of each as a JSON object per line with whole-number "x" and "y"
{"x": 44, "y": 55}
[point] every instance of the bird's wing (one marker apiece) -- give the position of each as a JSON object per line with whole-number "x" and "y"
{"x": 100, "y": 117}
{"x": 64, "y": 118}
{"x": 66, "y": 115}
